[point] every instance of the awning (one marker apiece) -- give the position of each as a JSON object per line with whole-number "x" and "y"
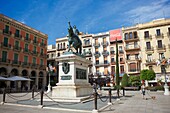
{"x": 18, "y": 78}
{"x": 3, "y": 78}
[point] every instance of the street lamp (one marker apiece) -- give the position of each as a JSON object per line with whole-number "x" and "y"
{"x": 50, "y": 70}
{"x": 163, "y": 63}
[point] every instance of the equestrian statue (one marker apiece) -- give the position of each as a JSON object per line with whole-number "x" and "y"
{"x": 73, "y": 39}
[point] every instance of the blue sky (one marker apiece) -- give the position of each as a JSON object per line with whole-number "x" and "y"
{"x": 92, "y": 16}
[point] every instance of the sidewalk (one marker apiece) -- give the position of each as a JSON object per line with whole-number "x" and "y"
{"x": 132, "y": 103}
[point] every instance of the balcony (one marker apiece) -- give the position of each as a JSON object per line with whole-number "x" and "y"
{"x": 34, "y": 53}
{"x": 149, "y": 49}
{"x": 26, "y": 51}
{"x": 101, "y": 64}
{"x": 113, "y": 63}
{"x": 121, "y": 51}
{"x": 161, "y": 48}
{"x": 122, "y": 62}
{"x": 42, "y": 44}
{"x": 25, "y": 64}
{"x": 135, "y": 48}
{"x": 87, "y": 45}
{"x": 132, "y": 39}
{"x": 42, "y": 67}
{"x": 148, "y": 37}
{"x": 18, "y": 36}
{"x": 34, "y": 66}
{"x": 105, "y": 53}
{"x": 5, "y": 46}
{"x": 6, "y": 32}
{"x": 96, "y": 45}
{"x": 133, "y": 71}
{"x": 87, "y": 54}
{"x": 17, "y": 48}
{"x": 35, "y": 42}
{"x": 133, "y": 59}
{"x": 105, "y": 43}
{"x": 4, "y": 61}
{"x": 150, "y": 62}
{"x": 27, "y": 39}
{"x": 61, "y": 49}
{"x": 159, "y": 36}
{"x": 16, "y": 63}
{"x": 97, "y": 54}
{"x": 43, "y": 55}
{"x": 112, "y": 52}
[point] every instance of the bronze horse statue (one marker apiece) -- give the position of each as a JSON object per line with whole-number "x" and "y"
{"x": 74, "y": 40}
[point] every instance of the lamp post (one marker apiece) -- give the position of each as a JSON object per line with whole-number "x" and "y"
{"x": 163, "y": 64}
{"x": 49, "y": 86}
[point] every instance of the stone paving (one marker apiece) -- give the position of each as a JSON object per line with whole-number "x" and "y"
{"x": 132, "y": 103}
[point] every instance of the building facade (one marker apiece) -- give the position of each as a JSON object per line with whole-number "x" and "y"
{"x": 23, "y": 52}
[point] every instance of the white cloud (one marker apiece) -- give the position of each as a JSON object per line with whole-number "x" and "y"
{"x": 154, "y": 10}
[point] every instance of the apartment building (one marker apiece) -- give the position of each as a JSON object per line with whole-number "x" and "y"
{"x": 117, "y": 35}
{"x": 101, "y": 56}
{"x": 132, "y": 50}
{"x": 155, "y": 44}
{"x": 23, "y": 53}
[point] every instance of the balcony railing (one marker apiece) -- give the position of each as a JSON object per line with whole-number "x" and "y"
{"x": 42, "y": 44}
{"x": 112, "y": 52}
{"x": 4, "y": 60}
{"x": 133, "y": 59}
{"x": 34, "y": 66}
{"x": 25, "y": 64}
{"x": 105, "y": 43}
{"x": 16, "y": 62}
{"x": 17, "y": 48}
{"x": 161, "y": 47}
{"x": 96, "y": 45}
{"x": 131, "y": 39}
{"x": 105, "y": 63}
{"x": 43, "y": 55}
{"x": 97, "y": 54}
{"x": 113, "y": 63}
{"x": 148, "y": 37}
{"x": 159, "y": 36}
{"x": 121, "y": 51}
{"x": 149, "y": 48}
{"x": 35, "y": 42}
{"x": 5, "y": 46}
{"x": 105, "y": 53}
{"x": 61, "y": 49}
{"x": 34, "y": 52}
{"x": 27, "y": 39}
{"x": 150, "y": 62}
{"x": 87, "y": 54}
{"x": 5, "y": 32}
{"x": 42, "y": 67}
{"x": 87, "y": 45}
{"x": 18, "y": 36}
{"x": 136, "y": 47}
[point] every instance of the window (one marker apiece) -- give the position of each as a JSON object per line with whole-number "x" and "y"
{"x": 97, "y": 60}
{"x": 5, "y": 42}
{"x": 135, "y": 34}
{"x": 58, "y": 46}
{"x": 6, "y": 29}
{"x": 34, "y": 60}
{"x": 64, "y": 46}
{"x": 4, "y": 56}
{"x": 26, "y": 47}
{"x": 136, "y": 56}
{"x": 148, "y": 45}
{"x": 159, "y": 43}
{"x": 122, "y": 69}
{"x": 41, "y": 62}
{"x": 126, "y": 36}
{"x": 42, "y": 52}
{"x": 27, "y": 36}
{"x": 58, "y": 54}
{"x": 128, "y": 57}
{"x": 113, "y": 69}
{"x": 61, "y": 46}
{"x": 158, "y": 32}
{"x": 105, "y": 60}
{"x": 127, "y": 46}
{"x": 15, "y": 58}
{"x": 150, "y": 67}
{"x": 121, "y": 59}
{"x": 130, "y": 35}
{"x": 97, "y": 69}
{"x": 149, "y": 57}
{"x": 17, "y": 33}
{"x": 112, "y": 59}
{"x": 25, "y": 59}
{"x": 132, "y": 67}
{"x": 161, "y": 55}
{"x": 105, "y": 70}
{"x": 120, "y": 48}
{"x": 35, "y": 49}
{"x": 35, "y": 39}
{"x": 169, "y": 30}
{"x": 146, "y": 34}
{"x": 16, "y": 44}
{"x": 135, "y": 44}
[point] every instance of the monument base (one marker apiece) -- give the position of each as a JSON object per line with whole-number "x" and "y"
{"x": 72, "y": 92}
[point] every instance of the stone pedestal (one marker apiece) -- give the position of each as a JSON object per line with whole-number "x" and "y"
{"x": 166, "y": 87}
{"x": 73, "y": 78}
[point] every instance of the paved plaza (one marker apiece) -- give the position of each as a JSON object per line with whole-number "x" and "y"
{"x": 132, "y": 103}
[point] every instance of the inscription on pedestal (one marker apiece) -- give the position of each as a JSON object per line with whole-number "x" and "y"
{"x": 80, "y": 74}
{"x": 67, "y": 77}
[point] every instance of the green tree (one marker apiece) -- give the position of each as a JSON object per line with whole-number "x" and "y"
{"x": 147, "y": 74}
{"x": 124, "y": 81}
{"x": 117, "y": 70}
{"x": 134, "y": 80}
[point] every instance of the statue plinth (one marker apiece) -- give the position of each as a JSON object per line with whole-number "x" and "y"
{"x": 73, "y": 78}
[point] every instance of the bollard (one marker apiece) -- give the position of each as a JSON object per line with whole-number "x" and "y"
{"x": 123, "y": 91}
{"x": 42, "y": 92}
{"x": 4, "y": 94}
{"x": 33, "y": 93}
{"x": 110, "y": 95}
{"x": 95, "y": 100}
